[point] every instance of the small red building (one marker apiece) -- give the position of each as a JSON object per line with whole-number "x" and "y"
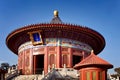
{"x": 55, "y": 44}
{"x": 93, "y": 68}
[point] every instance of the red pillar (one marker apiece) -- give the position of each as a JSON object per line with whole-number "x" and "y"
{"x": 58, "y": 58}
{"x": 82, "y": 73}
{"x": 34, "y": 64}
{"x": 104, "y": 75}
{"x": 70, "y": 58}
{"x": 23, "y": 62}
{"x": 31, "y": 61}
{"x": 46, "y": 60}
{"x": 97, "y": 75}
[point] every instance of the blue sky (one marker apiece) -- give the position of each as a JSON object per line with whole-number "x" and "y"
{"x": 100, "y": 15}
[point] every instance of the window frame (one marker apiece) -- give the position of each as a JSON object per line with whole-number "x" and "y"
{"x": 32, "y": 38}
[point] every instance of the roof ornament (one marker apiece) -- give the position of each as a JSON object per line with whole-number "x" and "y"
{"x": 56, "y": 18}
{"x": 92, "y": 51}
{"x": 55, "y": 13}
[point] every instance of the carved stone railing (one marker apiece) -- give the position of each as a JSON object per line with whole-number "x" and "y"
{"x": 28, "y": 77}
{"x": 64, "y": 72}
{"x": 68, "y": 71}
{"x": 48, "y": 75}
{"x": 12, "y": 74}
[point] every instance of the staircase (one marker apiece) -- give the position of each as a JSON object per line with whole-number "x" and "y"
{"x": 62, "y": 74}
{"x": 53, "y": 74}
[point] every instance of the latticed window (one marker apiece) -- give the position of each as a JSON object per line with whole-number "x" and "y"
{"x": 94, "y": 75}
{"x": 88, "y": 75}
{"x": 100, "y": 75}
{"x": 65, "y": 60}
{"x": 52, "y": 59}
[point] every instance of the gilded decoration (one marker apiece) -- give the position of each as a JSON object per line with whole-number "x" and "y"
{"x": 36, "y": 37}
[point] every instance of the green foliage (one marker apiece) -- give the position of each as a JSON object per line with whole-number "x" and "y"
{"x": 4, "y": 66}
{"x": 117, "y": 70}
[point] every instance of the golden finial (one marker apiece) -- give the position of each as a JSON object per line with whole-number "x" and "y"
{"x": 55, "y": 13}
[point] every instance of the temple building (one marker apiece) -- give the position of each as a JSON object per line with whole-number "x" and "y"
{"x": 58, "y": 49}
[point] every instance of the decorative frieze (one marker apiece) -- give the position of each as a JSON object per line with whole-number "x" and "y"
{"x": 51, "y": 49}
{"x": 57, "y": 42}
{"x": 64, "y": 49}
{"x": 77, "y": 52}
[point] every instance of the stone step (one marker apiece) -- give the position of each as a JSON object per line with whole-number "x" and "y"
{"x": 28, "y": 77}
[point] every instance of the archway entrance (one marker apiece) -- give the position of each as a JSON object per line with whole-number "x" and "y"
{"x": 76, "y": 59}
{"x": 38, "y": 64}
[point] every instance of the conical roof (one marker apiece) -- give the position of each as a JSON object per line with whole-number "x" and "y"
{"x": 93, "y": 61}
{"x": 56, "y": 20}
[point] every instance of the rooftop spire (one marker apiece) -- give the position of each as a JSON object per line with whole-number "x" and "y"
{"x": 55, "y": 13}
{"x": 56, "y": 18}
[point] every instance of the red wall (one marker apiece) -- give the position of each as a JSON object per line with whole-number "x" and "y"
{"x": 56, "y": 55}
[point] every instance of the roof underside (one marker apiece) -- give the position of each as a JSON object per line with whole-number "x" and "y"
{"x": 56, "y": 30}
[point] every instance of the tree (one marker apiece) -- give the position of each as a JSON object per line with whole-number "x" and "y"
{"x": 117, "y": 70}
{"x": 4, "y": 66}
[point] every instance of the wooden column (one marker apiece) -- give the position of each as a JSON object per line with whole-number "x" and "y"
{"x": 97, "y": 75}
{"x": 104, "y": 74}
{"x": 70, "y": 58}
{"x": 82, "y": 73}
{"x": 34, "y": 64}
{"x": 23, "y": 62}
{"x": 58, "y": 57}
{"x": 46, "y": 60}
{"x": 31, "y": 61}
